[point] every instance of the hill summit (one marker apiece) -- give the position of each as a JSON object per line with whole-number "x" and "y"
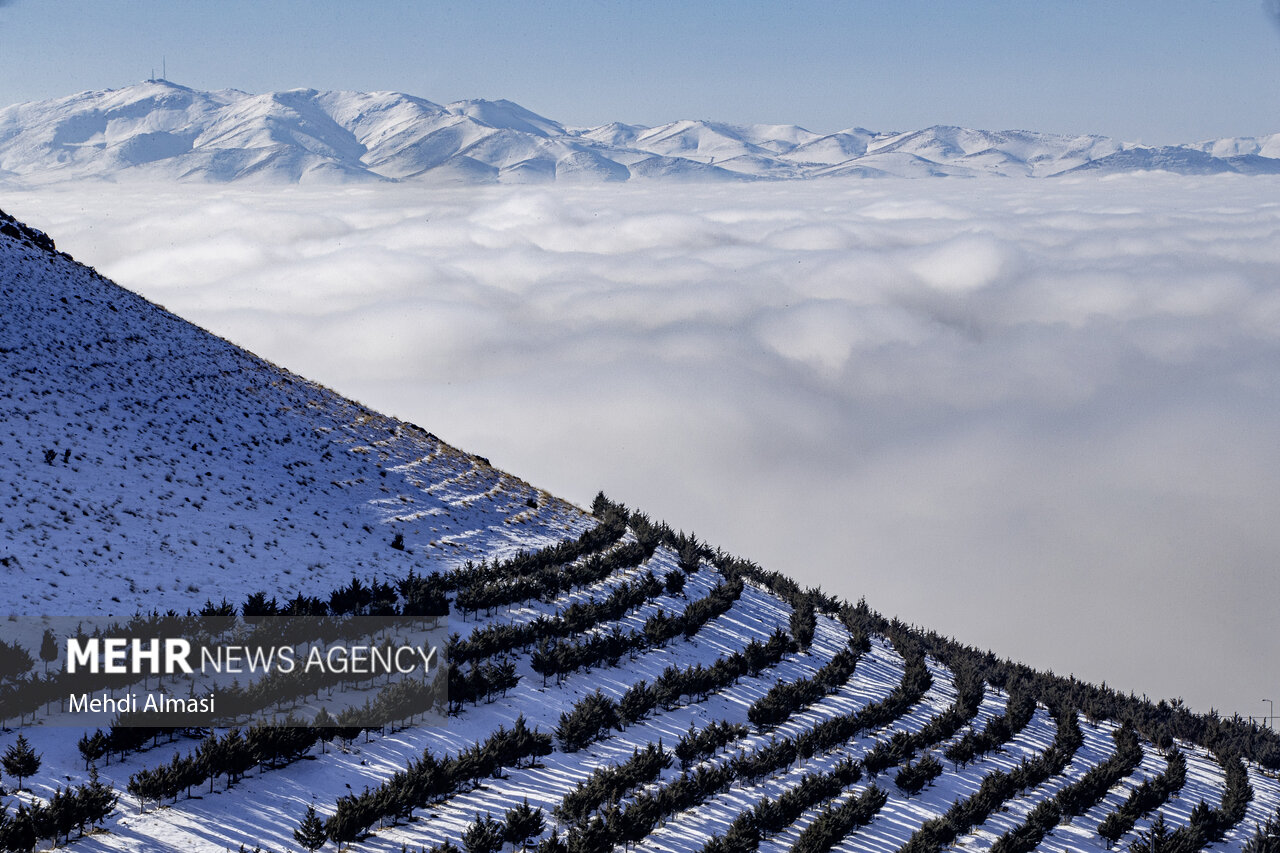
{"x": 611, "y": 682}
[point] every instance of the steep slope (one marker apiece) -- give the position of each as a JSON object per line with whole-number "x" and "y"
{"x": 160, "y": 129}
{"x": 168, "y": 459}
{"x": 640, "y": 688}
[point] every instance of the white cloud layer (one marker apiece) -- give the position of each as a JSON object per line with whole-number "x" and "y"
{"x": 1043, "y": 417}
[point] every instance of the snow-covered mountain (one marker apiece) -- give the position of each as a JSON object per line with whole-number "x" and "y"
{"x": 160, "y": 129}
{"x": 658, "y": 693}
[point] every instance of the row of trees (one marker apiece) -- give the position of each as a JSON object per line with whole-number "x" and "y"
{"x": 482, "y": 680}
{"x": 596, "y": 714}
{"x": 1159, "y": 722}
{"x": 414, "y": 595}
{"x": 587, "y": 721}
{"x": 699, "y": 744}
{"x": 121, "y": 738}
{"x": 606, "y": 786}
{"x": 1151, "y": 794}
{"x": 1059, "y": 695}
{"x": 787, "y": 697}
{"x": 1208, "y": 825}
{"x": 578, "y": 617}
{"x": 69, "y": 809}
{"x": 758, "y": 764}
{"x": 834, "y": 822}
{"x": 771, "y": 816}
{"x": 634, "y": 821}
{"x": 1205, "y": 826}
{"x": 566, "y": 565}
{"x": 904, "y": 744}
{"x": 611, "y": 524}
{"x": 274, "y": 745}
{"x": 631, "y": 823}
{"x": 914, "y": 776}
{"x": 429, "y": 780}
{"x": 1080, "y": 796}
{"x": 1075, "y": 798}
{"x": 599, "y": 821}
{"x": 302, "y": 618}
{"x": 996, "y": 788}
{"x": 550, "y": 582}
{"x": 1020, "y": 707}
{"x": 519, "y": 826}
{"x": 554, "y": 657}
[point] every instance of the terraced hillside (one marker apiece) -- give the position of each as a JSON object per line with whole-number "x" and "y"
{"x": 614, "y": 683}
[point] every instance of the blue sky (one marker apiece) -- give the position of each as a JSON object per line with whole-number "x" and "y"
{"x": 1155, "y": 72}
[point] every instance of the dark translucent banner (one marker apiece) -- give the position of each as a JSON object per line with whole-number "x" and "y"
{"x": 215, "y": 669}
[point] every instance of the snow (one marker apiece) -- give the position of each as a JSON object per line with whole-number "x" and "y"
{"x": 161, "y": 129}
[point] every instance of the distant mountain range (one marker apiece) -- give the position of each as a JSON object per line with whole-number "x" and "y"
{"x": 161, "y": 129}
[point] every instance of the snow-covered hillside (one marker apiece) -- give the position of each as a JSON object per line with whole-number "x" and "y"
{"x": 161, "y": 129}
{"x": 148, "y": 464}
{"x": 170, "y": 465}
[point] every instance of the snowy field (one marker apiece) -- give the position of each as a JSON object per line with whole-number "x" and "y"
{"x": 1052, "y": 399}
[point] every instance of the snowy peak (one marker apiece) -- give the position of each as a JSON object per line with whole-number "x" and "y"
{"x": 161, "y": 129}
{"x": 1242, "y": 146}
{"x": 505, "y": 115}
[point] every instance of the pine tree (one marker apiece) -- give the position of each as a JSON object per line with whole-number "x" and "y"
{"x": 325, "y": 725}
{"x": 1154, "y": 840}
{"x": 347, "y": 821}
{"x": 20, "y": 760}
{"x": 237, "y": 757}
{"x": 310, "y": 833}
{"x": 19, "y": 833}
{"x": 523, "y": 825}
{"x": 63, "y": 806}
{"x": 210, "y": 757}
{"x": 92, "y": 747}
{"x": 97, "y": 801}
{"x": 553, "y": 844}
{"x": 483, "y": 836}
{"x": 543, "y": 659}
{"x": 48, "y": 649}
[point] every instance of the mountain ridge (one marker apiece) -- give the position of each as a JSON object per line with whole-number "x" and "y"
{"x": 159, "y": 129}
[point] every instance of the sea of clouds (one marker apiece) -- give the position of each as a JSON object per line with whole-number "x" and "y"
{"x": 1041, "y": 416}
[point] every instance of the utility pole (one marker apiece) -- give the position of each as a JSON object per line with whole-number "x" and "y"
{"x": 1270, "y": 717}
